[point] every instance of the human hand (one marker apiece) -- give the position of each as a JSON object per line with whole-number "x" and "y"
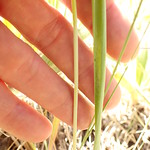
{"x": 24, "y": 70}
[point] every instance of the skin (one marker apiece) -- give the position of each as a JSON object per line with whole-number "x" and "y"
{"x": 23, "y": 69}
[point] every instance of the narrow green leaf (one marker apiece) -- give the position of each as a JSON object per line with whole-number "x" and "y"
{"x": 88, "y": 132}
{"x": 115, "y": 88}
{"x": 141, "y": 39}
{"x": 124, "y": 46}
{"x": 92, "y": 124}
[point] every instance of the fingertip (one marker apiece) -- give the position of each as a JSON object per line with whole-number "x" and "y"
{"x": 32, "y": 129}
{"x": 34, "y": 135}
{"x": 36, "y": 127}
{"x": 21, "y": 120}
{"x": 42, "y": 132}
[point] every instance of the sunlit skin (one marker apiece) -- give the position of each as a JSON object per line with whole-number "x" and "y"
{"x": 23, "y": 69}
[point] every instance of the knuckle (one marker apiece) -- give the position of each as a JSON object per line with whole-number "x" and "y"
{"x": 49, "y": 33}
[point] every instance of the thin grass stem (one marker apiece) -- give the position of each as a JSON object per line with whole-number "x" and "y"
{"x": 141, "y": 40}
{"x": 127, "y": 68}
{"x": 121, "y": 54}
{"x": 115, "y": 88}
{"x": 92, "y": 124}
{"x": 75, "y": 33}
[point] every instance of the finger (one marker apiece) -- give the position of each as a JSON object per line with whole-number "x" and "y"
{"x": 23, "y": 69}
{"x": 21, "y": 120}
{"x": 117, "y": 27}
{"x": 52, "y": 34}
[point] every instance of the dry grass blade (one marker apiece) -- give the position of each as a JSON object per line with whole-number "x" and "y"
{"x": 141, "y": 135}
{"x": 54, "y": 133}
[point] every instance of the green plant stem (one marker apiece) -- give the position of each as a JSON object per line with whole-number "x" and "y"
{"x": 99, "y": 32}
{"x": 88, "y": 132}
{"x": 124, "y": 47}
{"x": 92, "y": 123}
{"x": 74, "y": 11}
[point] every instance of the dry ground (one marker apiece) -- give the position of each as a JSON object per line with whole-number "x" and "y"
{"x": 124, "y": 128}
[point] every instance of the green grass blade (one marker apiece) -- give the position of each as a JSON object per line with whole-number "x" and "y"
{"x": 124, "y": 46}
{"x": 141, "y": 40}
{"x": 115, "y": 88}
{"x": 74, "y": 11}
{"x": 123, "y": 49}
{"x": 99, "y": 32}
{"x": 93, "y": 120}
{"x": 92, "y": 124}
{"x": 88, "y": 132}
